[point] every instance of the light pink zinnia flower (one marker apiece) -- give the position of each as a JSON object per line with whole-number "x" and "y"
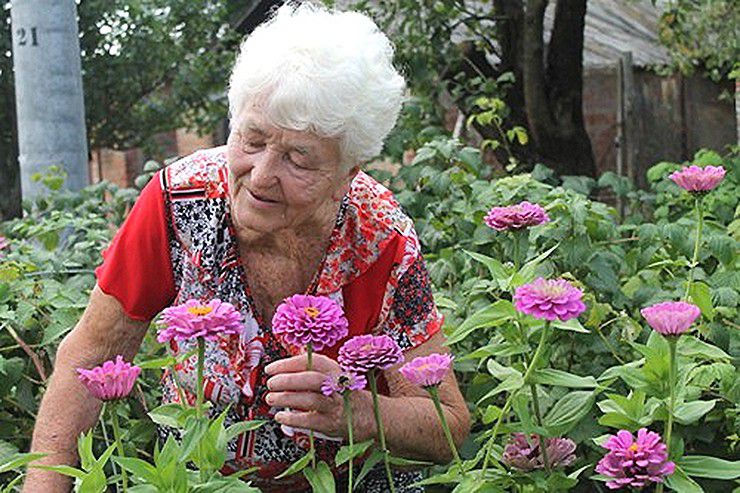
{"x": 111, "y": 381}
{"x": 341, "y": 383}
{"x": 197, "y": 319}
{"x": 4, "y": 243}
{"x": 698, "y": 180}
{"x": 518, "y": 216}
{"x": 635, "y": 463}
{"x": 525, "y": 454}
{"x": 671, "y": 318}
{"x": 303, "y": 319}
{"x": 427, "y": 371}
{"x": 368, "y": 352}
{"x": 549, "y": 299}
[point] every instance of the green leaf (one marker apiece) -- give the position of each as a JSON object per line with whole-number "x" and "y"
{"x": 495, "y": 268}
{"x": 704, "y": 466}
{"x": 681, "y": 483}
{"x": 298, "y": 465}
{"x": 195, "y": 428}
{"x": 375, "y": 457}
{"x": 400, "y": 461}
{"x": 690, "y": 412}
{"x": 156, "y": 363}
{"x": 321, "y": 478}
{"x": 167, "y": 415}
{"x": 18, "y": 460}
{"x": 94, "y": 481}
{"x": 66, "y": 470}
{"x": 694, "y": 347}
{"x": 139, "y": 468}
{"x": 343, "y": 455}
{"x": 490, "y": 316}
{"x": 701, "y": 295}
{"x": 572, "y": 325}
{"x": 527, "y": 272}
{"x": 243, "y": 426}
{"x": 549, "y": 376}
{"x": 568, "y": 411}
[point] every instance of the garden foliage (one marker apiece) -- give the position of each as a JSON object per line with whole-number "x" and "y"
{"x": 582, "y": 379}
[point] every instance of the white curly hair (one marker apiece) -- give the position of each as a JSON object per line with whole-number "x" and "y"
{"x": 324, "y": 71}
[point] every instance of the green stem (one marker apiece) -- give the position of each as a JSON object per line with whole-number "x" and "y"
{"x": 507, "y": 405}
{"x": 672, "y": 376}
{"x": 106, "y": 439}
{"x": 201, "y": 360}
{"x": 433, "y": 391}
{"x": 309, "y": 367}
{"x": 348, "y": 414}
{"x": 516, "y": 252}
{"x": 697, "y": 242}
{"x": 119, "y": 444}
{"x": 381, "y": 433}
{"x": 538, "y": 416}
{"x": 178, "y": 387}
{"x": 672, "y": 373}
{"x": 491, "y": 440}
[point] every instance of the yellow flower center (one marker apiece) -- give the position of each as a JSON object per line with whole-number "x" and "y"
{"x": 633, "y": 447}
{"x": 200, "y": 310}
{"x": 312, "y": 311}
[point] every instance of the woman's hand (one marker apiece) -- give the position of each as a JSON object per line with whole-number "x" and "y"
{"x": 294, "y": 387}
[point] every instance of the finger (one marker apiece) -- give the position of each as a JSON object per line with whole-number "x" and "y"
{"x": 306, "y": 401}
{"x": 308, "y": 420}
{"x": 303, "y": 381}
{"x": 298, "y": 363}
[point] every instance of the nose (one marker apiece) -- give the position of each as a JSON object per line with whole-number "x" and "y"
{"x": 263, "y": 175}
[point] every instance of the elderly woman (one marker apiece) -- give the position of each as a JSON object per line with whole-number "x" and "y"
{"x": 282, "y": 209}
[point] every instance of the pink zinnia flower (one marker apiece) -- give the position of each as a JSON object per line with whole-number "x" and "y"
{"x": 518, "y": 216}
{"x": 549, "y": 299}
{"x": 303, "y": 319}
{"x": 197, "y": 319}
{"x": 671, "y": 318}
{"x": 341, "y": 383}
{"x": 4, "y": 243}
{"x": 427, "y": 371}
{"x": 635, "y": 463}
{"x": 111, "y": 381}
{"x": 525, "y": 454}
{"x": 368, "y": 352}
{"x": 698, "y": 180}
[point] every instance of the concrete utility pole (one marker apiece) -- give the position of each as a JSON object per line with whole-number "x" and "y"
{"x": 48, "y": 91}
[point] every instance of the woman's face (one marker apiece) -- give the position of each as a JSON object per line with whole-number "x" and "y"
{"x": 282, "y": 179}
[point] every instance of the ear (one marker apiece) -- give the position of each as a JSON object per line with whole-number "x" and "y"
{"x": 346, "y": 182}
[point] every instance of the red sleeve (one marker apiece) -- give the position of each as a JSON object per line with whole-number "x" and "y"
{"x": 136, "y": 267}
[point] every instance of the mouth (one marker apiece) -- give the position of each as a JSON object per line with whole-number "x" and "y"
{"x": 261, "y": 198}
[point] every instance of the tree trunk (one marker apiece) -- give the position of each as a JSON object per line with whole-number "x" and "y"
{"x": 553, "y": 92}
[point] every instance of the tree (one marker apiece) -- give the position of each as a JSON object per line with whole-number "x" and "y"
{"x": 149, "y": 66}
{"x": 464, "y": 47}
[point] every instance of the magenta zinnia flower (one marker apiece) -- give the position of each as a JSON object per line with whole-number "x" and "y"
{"x": 698, "y": 180}
{"x": 4, "y": 243}
{"x": 518, "y": 216}
{"x": 525, "y": 454}
{"x": 197, "y": 319}
{"x": 341, "y": 383}
{"x": 635, "y": 463}
{"x": 111, "y": 381}
{"x": 303, "y": 319}
{"x": 671, "y": 318}
{"x": 549, "y": 299}
{"x": 427, "y": 371}
{"x": 368, "y": 352}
